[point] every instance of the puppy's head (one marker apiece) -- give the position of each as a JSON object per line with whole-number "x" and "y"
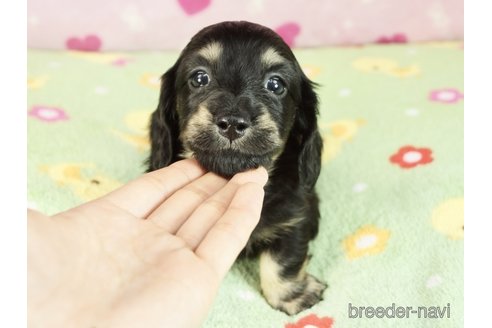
{"x": 234, "y": 99}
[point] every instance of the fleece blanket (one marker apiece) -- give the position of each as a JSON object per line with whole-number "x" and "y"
{"x": 390, "y": 244}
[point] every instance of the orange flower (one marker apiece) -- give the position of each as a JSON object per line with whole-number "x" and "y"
{"x": 368, "y": 240}
{"x": 312, "y": 320}
{"x": 150, "y": 80}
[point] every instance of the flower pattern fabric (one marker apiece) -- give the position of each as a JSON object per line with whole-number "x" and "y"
{"x": 391, "y": 181}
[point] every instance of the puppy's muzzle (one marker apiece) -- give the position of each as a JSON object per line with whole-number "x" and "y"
{"x": 232, "y": 127}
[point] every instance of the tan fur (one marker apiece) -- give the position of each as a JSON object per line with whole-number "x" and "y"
{"x": 273, "y": 232}
{"x": 211, "y": 51}
{"x": 272, "y": 285}
{"x": 199, "y": 121}
{"x": 272, "y": 57}
{"x": 275, "y": 289}
{"x": 278, "y": 291}
{"x": 203, "y": 120}
{"x": 186, "y": 154}
{"x": 265, "y": 122}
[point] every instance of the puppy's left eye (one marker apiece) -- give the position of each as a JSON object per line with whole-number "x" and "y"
{"x": 200, "y": 79}
{"x": 275, "y": 85}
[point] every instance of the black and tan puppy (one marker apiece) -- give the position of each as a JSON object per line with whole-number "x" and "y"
{"x": 237, "y": 99}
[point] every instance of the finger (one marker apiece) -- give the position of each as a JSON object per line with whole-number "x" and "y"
{"x": 171, "y": 214}
{"x": 206, "y": 215}
{"x": 142, "y": 195}
{"x": 229, "y": 235}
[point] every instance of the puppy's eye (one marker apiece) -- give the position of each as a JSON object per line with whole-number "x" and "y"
{"x": 275, "y": 85}
{"x": 200, "y": 79}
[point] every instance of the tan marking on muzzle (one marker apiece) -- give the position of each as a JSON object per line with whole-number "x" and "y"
{"x": 187, "y": 153}
{"x": 265, "y": 122}
{"x": 272, "y": 57}
{"x": 211, "y": 51}
{"x": 199, "y": 121}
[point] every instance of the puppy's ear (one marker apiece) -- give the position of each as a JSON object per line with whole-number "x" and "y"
{"x": 164, "y": 126}
{"x": 311, "y": 144}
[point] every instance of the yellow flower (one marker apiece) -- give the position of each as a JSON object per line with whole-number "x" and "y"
{"x": 385, "y": 66}
{"x": 444, "y": 44}
{"x": 449, "y": 218}
{"x": 36, "y": 82}
{"x": 374, "y": 64}
{"x": 345, "y": 130}
{"x": 151, "y": 80}
{"x": 368, "y": 240}
{"x": 405, "y": 71}
{"x": 85, "y": 181}
{"x": 311, "y": 71}
{"x": 335, "y": 134}
{"x": 98, "y": 57}
{"x": 138, "y": 122}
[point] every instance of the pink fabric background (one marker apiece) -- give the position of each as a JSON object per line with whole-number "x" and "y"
{"x": 95, "y": 25}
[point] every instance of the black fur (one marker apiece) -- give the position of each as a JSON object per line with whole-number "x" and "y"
{"x": 164, "y": 130}
{"x": 237, "y": 88}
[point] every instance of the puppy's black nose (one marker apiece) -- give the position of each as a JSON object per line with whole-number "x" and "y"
{"x": 232, "y": 127}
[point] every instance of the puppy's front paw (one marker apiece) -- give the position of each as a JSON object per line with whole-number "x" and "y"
{"x": 303, "y": 296}
{"x": 296, "y": 296}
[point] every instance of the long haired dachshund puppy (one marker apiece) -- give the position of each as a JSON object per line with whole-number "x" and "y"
{"x": 236, "y": 99}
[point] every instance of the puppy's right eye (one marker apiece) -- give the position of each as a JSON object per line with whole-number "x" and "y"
{"x": 200, "y": 79}
{"x": 275, "y": 85}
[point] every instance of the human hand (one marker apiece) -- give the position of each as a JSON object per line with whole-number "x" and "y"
{"x": 150, "y": 254}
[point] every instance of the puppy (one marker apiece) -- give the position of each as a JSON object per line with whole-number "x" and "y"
{"x": 236, "y": 99}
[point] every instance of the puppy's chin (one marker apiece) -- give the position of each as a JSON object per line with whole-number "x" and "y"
{"x": 226, "y": 163}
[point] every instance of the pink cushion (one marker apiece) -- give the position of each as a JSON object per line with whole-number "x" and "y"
{"x": 93, "y": 25}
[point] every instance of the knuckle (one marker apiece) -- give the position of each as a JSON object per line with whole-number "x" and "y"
{"x": 191, "y": 240}
{"x": 196, "y": 191}
{"x": 216, "y": 205}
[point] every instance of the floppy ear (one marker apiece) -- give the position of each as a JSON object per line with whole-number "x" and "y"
{"x": 164, "y": 126}
{"x": 311, "y": 144}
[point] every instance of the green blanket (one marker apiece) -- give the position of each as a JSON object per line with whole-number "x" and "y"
{"x": 391, "y": 186}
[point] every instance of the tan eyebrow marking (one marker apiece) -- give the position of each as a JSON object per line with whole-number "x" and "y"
{"x": 272, "y": 57}
{"x": 211, "y": 51}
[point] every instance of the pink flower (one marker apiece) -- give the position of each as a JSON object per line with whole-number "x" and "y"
{"x": 120, "y": 62}
{"x": 395, "y": 38}
{"x": 447, "y": 96}
{"x": 408, "y": 157}
{"x": 48, "y": 114}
